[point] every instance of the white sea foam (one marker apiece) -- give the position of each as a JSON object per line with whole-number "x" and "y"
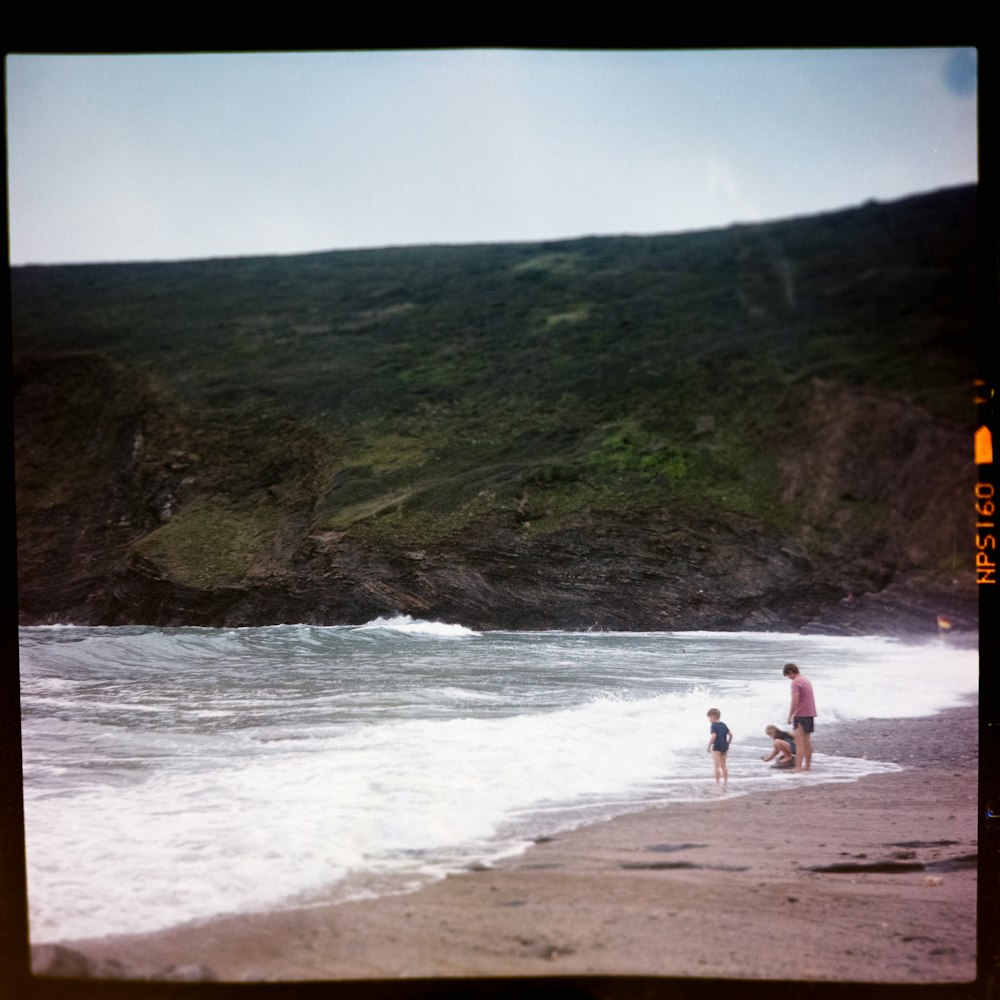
{"x": 175, "y": 774}
{"x": 412, "y": 626}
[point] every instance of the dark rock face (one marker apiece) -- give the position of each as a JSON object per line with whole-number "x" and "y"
{"x": 608, "y": 572}
{"x": 850, "y": 454}
{"x": 880, "y": 485}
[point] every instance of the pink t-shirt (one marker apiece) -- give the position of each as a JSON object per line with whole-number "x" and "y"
{"x": 807, "y": 705}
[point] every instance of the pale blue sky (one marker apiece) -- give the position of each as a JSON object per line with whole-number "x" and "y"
{"x": 164, "y": 157}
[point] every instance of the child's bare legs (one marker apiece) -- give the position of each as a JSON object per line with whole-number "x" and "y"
{"x": 721, "y": 770}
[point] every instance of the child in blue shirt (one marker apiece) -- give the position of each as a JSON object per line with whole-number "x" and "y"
{"x": 718, "y": 745}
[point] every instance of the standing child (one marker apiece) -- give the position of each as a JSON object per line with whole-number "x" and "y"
{"x": 718, "y": 745}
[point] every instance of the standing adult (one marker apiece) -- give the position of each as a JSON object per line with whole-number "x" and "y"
{"x": 802, "y": 715}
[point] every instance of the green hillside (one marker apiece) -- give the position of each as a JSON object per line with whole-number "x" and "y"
{"x": 403, "y": 396}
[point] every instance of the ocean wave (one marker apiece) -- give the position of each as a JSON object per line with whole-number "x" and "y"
{"x": 417, "y": 626}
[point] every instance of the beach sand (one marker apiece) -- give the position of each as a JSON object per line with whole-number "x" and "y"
{"x": 725, "y": 889}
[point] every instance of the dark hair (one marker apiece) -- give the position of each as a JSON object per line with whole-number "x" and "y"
{"x": 790, "y": 668}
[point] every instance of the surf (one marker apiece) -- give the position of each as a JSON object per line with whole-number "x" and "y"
{"x": 176, "y": 774}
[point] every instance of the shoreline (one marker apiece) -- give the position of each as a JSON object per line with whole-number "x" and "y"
{"x": 712, "y": 890}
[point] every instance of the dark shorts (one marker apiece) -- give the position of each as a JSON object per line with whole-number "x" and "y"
{"x": 720, "y": 749}
{"x": 804, "y": 722}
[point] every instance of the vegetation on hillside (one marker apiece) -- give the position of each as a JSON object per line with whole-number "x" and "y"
{"x": 404, "y": 393}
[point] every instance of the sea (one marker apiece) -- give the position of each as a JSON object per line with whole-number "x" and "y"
{"x": 176, "y": 774}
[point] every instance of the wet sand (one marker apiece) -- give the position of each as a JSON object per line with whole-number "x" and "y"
{"x": 873, "y": 881}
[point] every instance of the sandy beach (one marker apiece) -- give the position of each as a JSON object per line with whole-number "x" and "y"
{"x": 874, "y": 881}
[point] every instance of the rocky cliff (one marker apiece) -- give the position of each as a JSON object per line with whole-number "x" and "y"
{"x": 813, "y": 499}
{"x": 879, "y": 483}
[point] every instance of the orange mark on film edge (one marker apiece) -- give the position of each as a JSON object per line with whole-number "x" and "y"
{"x": 984, "y": 446}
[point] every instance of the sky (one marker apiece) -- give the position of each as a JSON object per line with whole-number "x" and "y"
{"x": 190, "y": 156}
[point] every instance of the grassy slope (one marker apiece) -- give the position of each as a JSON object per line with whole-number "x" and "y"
{"x": 428, "y": 386}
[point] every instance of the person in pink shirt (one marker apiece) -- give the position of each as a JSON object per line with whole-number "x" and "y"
{"x": 803, "y": 714}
